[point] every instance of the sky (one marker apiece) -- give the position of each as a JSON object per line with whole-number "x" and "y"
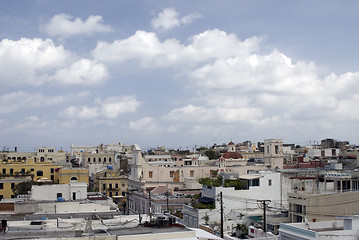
{"x": 177, "y": 74}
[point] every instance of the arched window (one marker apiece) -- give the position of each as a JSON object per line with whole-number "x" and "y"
{"x": 94, "y": 159}
{"x": 42, "y": 159}
{"x": 104, "y": 159}
{"x": 73, "y": 179}
{"x": 109, "y": 159}
{"x": 99, "y": 159}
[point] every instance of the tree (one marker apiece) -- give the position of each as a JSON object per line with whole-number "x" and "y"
{"x": 206, "y": 219}
{"x": 211, "y": 154}
{"x": 22, "y": 188}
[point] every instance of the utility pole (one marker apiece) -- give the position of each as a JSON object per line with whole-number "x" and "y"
{"x": 149, "y": 196}
{"x": 262, "y": 204}
{"x": 221, "y": 202}
{"x": 167, "y": 193}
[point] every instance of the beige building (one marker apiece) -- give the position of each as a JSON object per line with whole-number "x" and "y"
{"x": 146, "y": 174}
{"x": 338, "y": 197}
{"x": 43, "y": 154}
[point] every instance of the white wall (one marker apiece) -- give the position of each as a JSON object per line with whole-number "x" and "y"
{"x": 49, "y": 192}
{"x": 245, "y": 201}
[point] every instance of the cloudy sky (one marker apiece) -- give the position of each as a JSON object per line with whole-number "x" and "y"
{"x": 177, "y": 73}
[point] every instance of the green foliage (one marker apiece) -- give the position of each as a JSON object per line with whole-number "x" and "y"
{"x": 206, "y": 219}
{"x": 241, "y": 230}
{"x": 211, "y": 154}
{"x": 195, "y": 203}
{"x": 211, "y": 182}
{"x": 202, "y": 149}
{"x": 22, "y": 188}
{"x": 238, "y": 184}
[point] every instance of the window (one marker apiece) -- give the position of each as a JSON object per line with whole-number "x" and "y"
{"x": 73, "y": 179}
{"x": 4, "y": 171}
{"x": 41, "y": 150}
{"x": 110, "y": 186}
{"x": 11, "y": 171}
{"x": 270, "y": 182}
{"x": 59, "y": 195}
{"x": 40, "y": 173}
{"x": 99, "y": 159}
{"x": 42, "y": 159}
{"x": 150, "y": 173}
{"x": 12, "y": 185}
{"x": 172, "y": 174}
{"x": 88, "y": 160}
{"x": 52, "y": 178}
{"x": 104, "y": 159}
{"x": 1, "y": 186}
{"x": 22, "y": 170}
{"x": 123, "y": 185}
{"x": 50, "y": 150}
{"x": 123, "y": 194}
{"x": 191, "y": 173}
{"x": 94, "y": 160}
{"x": 12, "y": 196}
{"x": 104, "y": 186}
{"x": 109, "y": 159}
{"x": 116, "y": 185}
{"x": 276, "y": 149}
{"x": 1, "y": 197}
{"x": 52, "y": 170}
{"x": 31, "y": 169}
{"x": 116, "y": 193}
{"x": 110, "y": 194}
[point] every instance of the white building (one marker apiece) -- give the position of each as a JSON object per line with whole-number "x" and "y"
{"x": 71, "y": 191}
{"x": 346, "y": 228}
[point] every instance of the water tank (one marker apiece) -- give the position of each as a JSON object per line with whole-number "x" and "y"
{"x": 110, "y": 167}
{"x": 60, "y": 199}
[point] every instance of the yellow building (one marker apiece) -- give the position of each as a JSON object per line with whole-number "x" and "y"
{"x": 38, "y": 170}
{"x": 67, "y": 175}
{"x": 13, "y": 172}
{"x": 111, "y": 183}
{"x": 7, "y": 184}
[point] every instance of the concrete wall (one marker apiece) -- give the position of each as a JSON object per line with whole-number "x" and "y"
{"x": 49, "y": 192}
{"x": 244, "y": 201}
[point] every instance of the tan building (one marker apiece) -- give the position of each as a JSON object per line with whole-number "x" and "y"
{"x": 67, "y": 175}
{"x": 112, "y": 184}
{"x": 43, "y": 154}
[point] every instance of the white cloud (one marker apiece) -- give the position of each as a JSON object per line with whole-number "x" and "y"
{"x": 65, "y": 26}
{"x": 111, "y": 107}
{"x": 147, "y": 50}
{"x": 29, "y": 60}
{"x": 170, "y": 18}
{"x": 20, "y": 100}
{"x": 166, "y": 19}
{"x": 82, "y": 72}
{"x": 146, "y": 124}
{"x": 108, "y": 108}
{"x": 37, "y": 61}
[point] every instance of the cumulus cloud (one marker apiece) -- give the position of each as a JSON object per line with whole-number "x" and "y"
{"x": 147, "y": 50}
{"x": 37, "y": 61}
{"x": 82, "y": 72}
{"x": 65, "y": 26}
{"x": 108, "y": 108}
{"x": 146, "y": 124}
{"x": 111, "y": 107}
{"x": 170, "y": 18}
